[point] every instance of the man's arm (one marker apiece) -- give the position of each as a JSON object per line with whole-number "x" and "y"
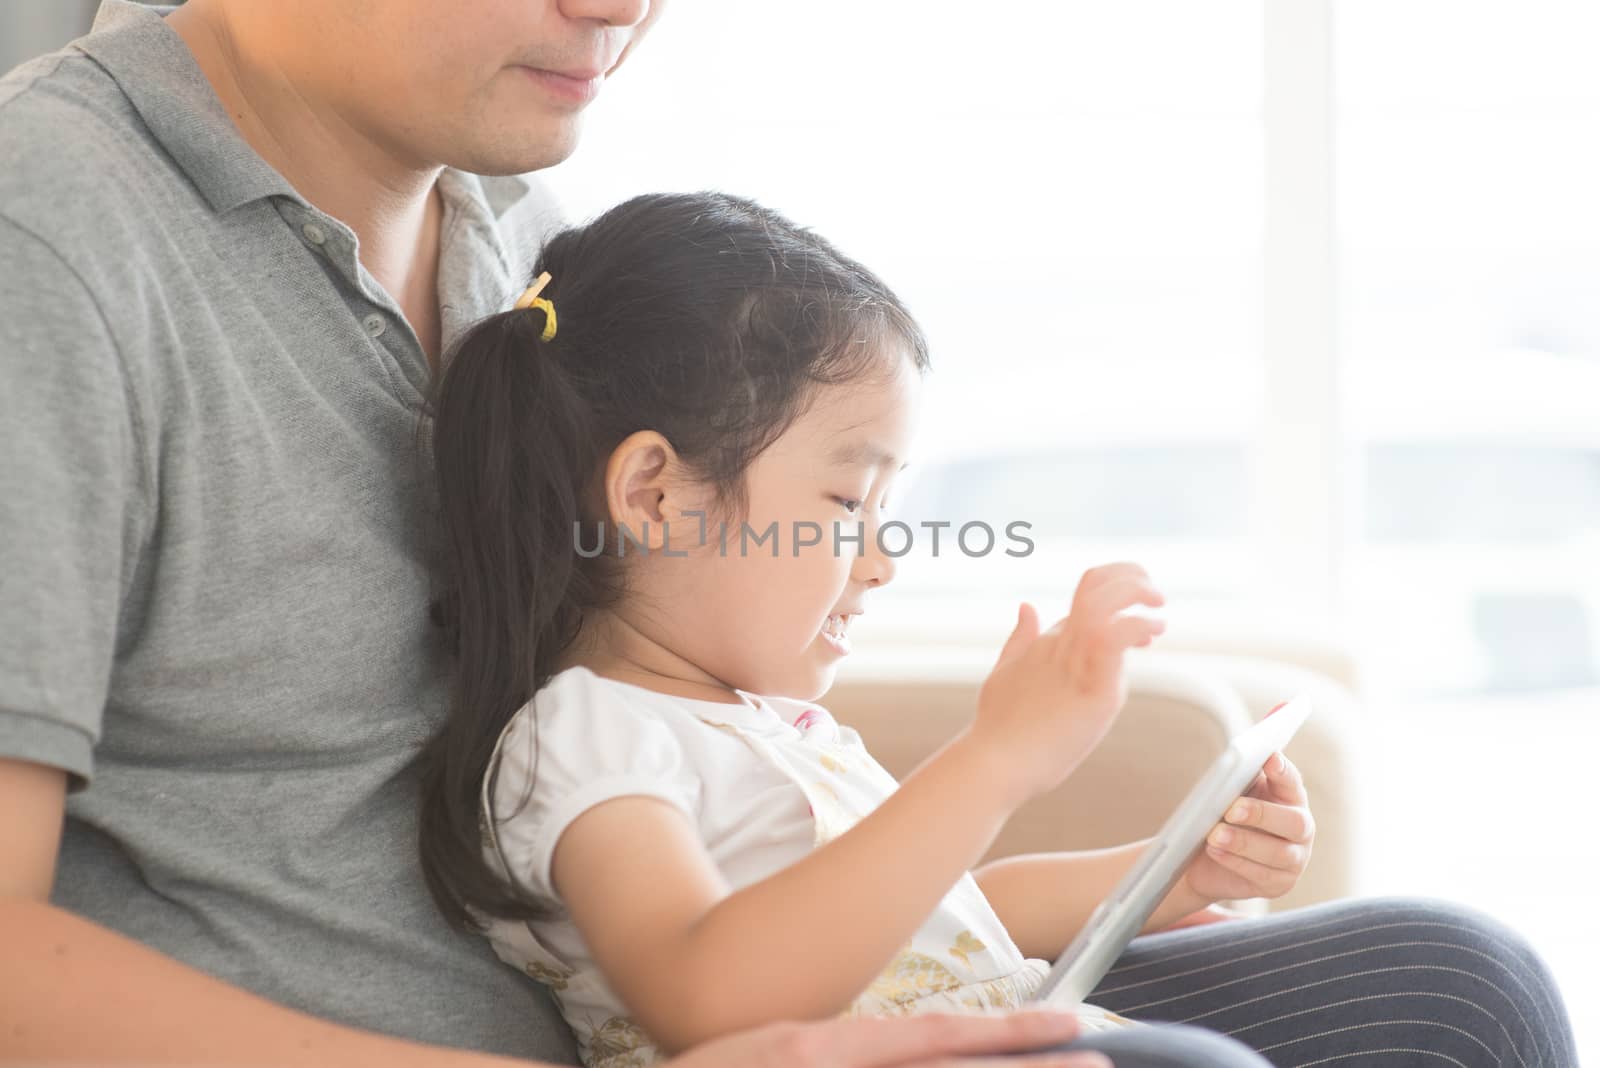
{"x": 62, "y": 971}
{"x": 70, "y": 495}
{"x": 1044, "y": 899}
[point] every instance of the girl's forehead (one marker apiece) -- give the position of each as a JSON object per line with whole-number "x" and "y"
{"x": 857, "y": 418}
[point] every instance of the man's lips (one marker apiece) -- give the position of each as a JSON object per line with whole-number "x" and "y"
{"x": 577, "y": 74}
{"x": 575, "y": 86}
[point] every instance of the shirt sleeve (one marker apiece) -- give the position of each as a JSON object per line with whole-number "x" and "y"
{"x": 576, "y": 746}
{"x": 66, "y": 490}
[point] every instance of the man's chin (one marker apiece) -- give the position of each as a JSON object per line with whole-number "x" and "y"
{"x": 530, "y": 150}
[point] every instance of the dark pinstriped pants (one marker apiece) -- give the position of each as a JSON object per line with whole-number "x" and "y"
{"x": 1388, "y": 982}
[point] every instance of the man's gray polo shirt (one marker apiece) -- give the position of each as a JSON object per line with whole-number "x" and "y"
{"x": 213, "y": 580}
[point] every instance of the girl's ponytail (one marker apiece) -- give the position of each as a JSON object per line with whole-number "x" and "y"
{"x": 510, "y": 439}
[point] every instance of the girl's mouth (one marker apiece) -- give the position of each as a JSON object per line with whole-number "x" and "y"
{"x": 833, "y": 632}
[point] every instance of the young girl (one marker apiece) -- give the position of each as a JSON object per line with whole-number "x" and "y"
{"x": 661, "y": 480}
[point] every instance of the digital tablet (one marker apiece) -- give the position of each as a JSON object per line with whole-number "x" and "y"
{"x": 1132, "y": 901}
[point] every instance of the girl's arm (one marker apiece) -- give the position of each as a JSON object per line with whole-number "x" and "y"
{"x": 1044, "y": 899}
{"x": 1259, "y": 850}
{"x": 692, "y": 961}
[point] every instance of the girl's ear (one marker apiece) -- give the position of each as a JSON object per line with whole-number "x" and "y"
{"x": 645, "y": 486}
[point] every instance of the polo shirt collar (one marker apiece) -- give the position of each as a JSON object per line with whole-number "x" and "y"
{"x": 159, "y": 76}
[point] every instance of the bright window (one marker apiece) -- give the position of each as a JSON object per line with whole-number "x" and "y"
{"x": 1075, "y": 200}
{"x": 1470, "y": 244}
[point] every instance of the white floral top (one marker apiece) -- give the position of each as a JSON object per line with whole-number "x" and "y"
{"x": 812, "y": 779}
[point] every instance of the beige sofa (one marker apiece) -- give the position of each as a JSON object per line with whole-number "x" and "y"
{"x": 1184, "y": 701}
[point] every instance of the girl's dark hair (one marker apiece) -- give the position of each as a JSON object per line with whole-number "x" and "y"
{"x": 704, "y": 317}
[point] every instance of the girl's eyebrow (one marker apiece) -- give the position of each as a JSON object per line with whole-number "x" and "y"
{"x": 864, "y": 453}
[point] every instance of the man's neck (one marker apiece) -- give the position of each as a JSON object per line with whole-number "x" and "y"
{"x": 392, "y": 205}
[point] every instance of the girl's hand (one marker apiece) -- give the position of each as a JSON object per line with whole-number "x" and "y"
{"x": 1263, "y": 844}
{"x": 1052, "y": 696}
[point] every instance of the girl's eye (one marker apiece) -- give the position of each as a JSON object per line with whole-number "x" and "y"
{"x": 850, "y": 505}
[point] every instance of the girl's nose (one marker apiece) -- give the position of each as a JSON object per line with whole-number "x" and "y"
{"x": 873, "y": 567}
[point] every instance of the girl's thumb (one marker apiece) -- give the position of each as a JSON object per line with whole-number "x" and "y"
{"x": 1024, "y": 634}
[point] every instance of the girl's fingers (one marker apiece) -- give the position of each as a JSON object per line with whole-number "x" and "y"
{"x": 1024, "y": 634}
{"x": 1265, "y": 849}
{"x": 1132, "y": 631}
{"x": 1292, "y": 823}
{"x": 1096, "y": 577}
{"x": 1284, "y": 780}
{"x": 1108, "y": 595}
{"x": 1283, "y": 785}
{"x": 1267, "y": 881}
{"x": 1104, "y": 651}
{"x": 1116, "y": 596}
{"x": 1095, "y": 626}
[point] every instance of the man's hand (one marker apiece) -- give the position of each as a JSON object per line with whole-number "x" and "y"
{"x": 931, "y": 1041}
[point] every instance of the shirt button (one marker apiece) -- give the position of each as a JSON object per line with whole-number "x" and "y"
{"x": 375, "y": 325}
{"x": 314, "y": 233}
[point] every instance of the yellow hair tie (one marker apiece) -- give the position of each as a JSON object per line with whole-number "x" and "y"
{"x": 531, "y": 299}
